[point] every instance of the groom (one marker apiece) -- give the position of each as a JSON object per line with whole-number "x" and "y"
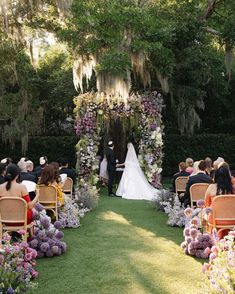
{"x": 111, "y": 167}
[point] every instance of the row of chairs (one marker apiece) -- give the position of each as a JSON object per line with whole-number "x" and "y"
{"x": 13, "y": 210}
{"x": 223, "y": 206}
{"x": 197, "y": 191}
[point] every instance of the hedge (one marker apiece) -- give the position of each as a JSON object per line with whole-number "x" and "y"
{"x": 177, "y": 148}
{"x": 53, "y": 147}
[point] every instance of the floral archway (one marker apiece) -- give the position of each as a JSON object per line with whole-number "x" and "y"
{"x": 95, "y": 111}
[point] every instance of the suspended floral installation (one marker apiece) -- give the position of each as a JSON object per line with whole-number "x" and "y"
{"x": 94, "y": 112}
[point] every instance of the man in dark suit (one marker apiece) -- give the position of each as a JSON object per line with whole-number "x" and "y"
{"x": 111, "y": 167}
{"x": 65, "y": 170}
{"x": 200, "y": 177}
{"x": 182, "y": 173}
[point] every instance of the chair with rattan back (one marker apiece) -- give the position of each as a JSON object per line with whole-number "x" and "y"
{"x": 197, "y": 192}
{"x": 48, "y": 198}
{"x": 68, "y": 186}
{"x": 223, "y": 212}
{"x": 180, "y": 184}
{"x": 13, "y": 215}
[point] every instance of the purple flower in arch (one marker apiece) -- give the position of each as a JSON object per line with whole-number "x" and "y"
{"x": 10, "y": 291}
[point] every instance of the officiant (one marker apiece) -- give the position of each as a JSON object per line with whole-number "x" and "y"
{"x": 111, "y": 167}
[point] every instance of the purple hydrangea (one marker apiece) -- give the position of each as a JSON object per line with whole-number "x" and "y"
{"x": 201, "y": 203}
{"x": 49, "y": 253}
{"x": 58, "y": 225}
{"x": 41, "y": 234}
{"x": 193, "y": 233}
{"x": 186, "y": 232}
{"x": 45, "y": 222}
{"x": 40, "y": 254}
{"x": 59, "y": 235}
{"x": 44, "y": 246}
{"x": 63, "y": 247}
{"x": 54, "y": 250}
{"x": 38, "y": 207}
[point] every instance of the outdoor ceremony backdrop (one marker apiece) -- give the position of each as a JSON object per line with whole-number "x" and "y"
{"x": 183, "y": 50}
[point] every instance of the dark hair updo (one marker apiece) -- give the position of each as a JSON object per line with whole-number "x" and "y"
{"x": 223, "y": 181}
{"x": 11, "y": 173}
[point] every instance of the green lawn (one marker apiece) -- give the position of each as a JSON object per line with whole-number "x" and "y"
{"x": 123, "y": 246}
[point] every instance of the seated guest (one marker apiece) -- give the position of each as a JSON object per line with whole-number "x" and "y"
{"x": 222, "y": 185}
{"x": 195, "y": 168}
{"x": 208, "y": 165}
{"x": 43, "y": 161}
{"x": 68, "y": 171}
{"x": 7, "y": 161}
{"x": 49, "y": 177}
{"x": 2, "y": 173}
{"x": 200, "y": 177}
{"x": 24, "y": 175}
{"x": 216, "y": 164}
{"x": 30, "y": 167}
{"x": 182, "y": 173}
{"x": 189, "y": 164}
{"x": 13, "y": 189}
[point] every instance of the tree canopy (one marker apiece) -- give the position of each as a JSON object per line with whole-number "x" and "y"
{"x": 182, "y": 48}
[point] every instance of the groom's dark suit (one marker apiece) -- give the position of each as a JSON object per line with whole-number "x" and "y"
{"x": 111, "y": 167}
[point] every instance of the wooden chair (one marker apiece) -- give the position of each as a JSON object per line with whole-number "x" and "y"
{"x": 48, "y": 199}
{"x": 180, "y": 184}
{"x": 197, "y": 192}
{"x": 13, "y": 210}
{"x": 223, "y": 212}
{"x": 68, "y": 186}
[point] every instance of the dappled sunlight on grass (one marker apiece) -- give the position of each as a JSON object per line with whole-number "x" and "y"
{"x": 124, "y": 247}
{"x": 110, "y": 215}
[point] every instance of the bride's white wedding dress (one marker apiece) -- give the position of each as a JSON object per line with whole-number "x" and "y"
{"x": 133, "y": 184}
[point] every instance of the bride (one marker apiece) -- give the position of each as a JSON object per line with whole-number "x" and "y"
{"x": 133, "y": 184}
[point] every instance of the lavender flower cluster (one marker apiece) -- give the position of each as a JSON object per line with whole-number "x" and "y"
{"x": 69, "y": 214}
{"x": 86, "y": 124}
{"x": 47, "y": 239}
{"x": 151, "y": 129}
{"x": 175, "y": 212}
{"x": 220, "y": 270}
{"x": 17, "y": 262}
{"x": 196, "y": 243}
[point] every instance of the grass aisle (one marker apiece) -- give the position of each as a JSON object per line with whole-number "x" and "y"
{"x": 123, "y": 246}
